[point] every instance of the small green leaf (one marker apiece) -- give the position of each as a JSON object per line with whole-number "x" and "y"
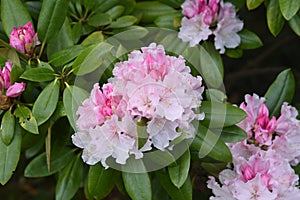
{"x": 46, "y": 102}
{"x": 38, "y": 74}
{"x": 64, "y": 56}
{"x": 168, "y": 21}
{"x": 99, "y": 19}
{"x": 92, "y": 59}
{"x": 274, "y": 17}
{"x": 51, "y": 18}
{"x": 234, "y": 53}
{"x": 281, "y": 90}
{"x": 131, "y": 33}
{"x": 252, "y": 4}
{"x": 208, "y": 143}
{"x": 69, "y": 180}
{"x": 233, "y": 134}
{"x": 19, "y": 16}
{"x": 137, "y": 185}
{"x": 15, "y": 73}
{"x": 101, "y": 181}
{"x": 182, "y": 193}
{"x": 93, "y": 38}
{"x": 104, "y": 5}
{"x": 38, "y": 166}
{"x": 123, "y": 21}
{"x": 129, "y": 5}
{"x": 115, "y": 11}
{"x": 180, "y": 170}
{"x": 295, "y": 24}
{"x": 26, "y": 119}
{"x": 249, "y": 40}
{"x": 215, "y": 95}
{"x": 73, "y": 97}
{"x": 289, "y": 8}
{"x": 7, "y": 127}
{"x": 220, "y": 114}
{"x": 10, "y": 155}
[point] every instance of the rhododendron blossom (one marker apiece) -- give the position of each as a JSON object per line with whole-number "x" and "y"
{"x": 203, "y": 18}
{"x": 151, "y": 88}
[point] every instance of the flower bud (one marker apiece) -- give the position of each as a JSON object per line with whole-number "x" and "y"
{"x": 15, "y": 90}
{"x": 24, "y": 39}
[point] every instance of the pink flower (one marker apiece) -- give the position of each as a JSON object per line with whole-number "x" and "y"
{"x": 227, "y": 28}
{"x": 5, "y": 75}
{"x": 24, "y": 39}
{"x": 15, "y": 90}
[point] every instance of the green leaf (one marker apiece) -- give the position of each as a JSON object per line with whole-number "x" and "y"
{"x": 115, "y": 11}
{"x": 15, "y": 73}
{"x": 274, "y": 17}
{"x": 38, "y": 166}
{"x": 123, "y": 21}
{"x": 101, "y": 181}
{"x": 168, "y": 21}
{"x": 26, "y": 119}
{"x": 238, "y": 3}
{"x": 38, "y": 74}
{"x": 281, "y": 90}
{"x": 99, "y": 19}
{"x": 64, "y": 56}
{"x": 220, "y": 114}
{"x": 51, "y": 18}
{"x": 234, "y": 53}
{"x": 211, "y": 65}
{"x": 252, "y": 4}
{"x": 295, "y": 24}
{"x": 10, "y": 54}
{"x": 183, "y": 193}
{"x": 173, "y": 3}
{"x": 180, "y": 170}
{"x": 233, "y": 134}
{"x": 208, "y": 143}
{"x": 93, "y": 38}
{"x": 249, "y": 40}
{"x": 289, "y": 8}
{"x": 129, "y": 5}
{"x": 73, "y": 97}
{"x": 13, "y": 14}
{"x": 151, "y": 10}
{"x": 46, "y": 102}
{"x": 137, "y": 185}
{"x": 92, "y": 59}
{"x": 7, "y": 127}
{"x": 69, "y": 180}
{"x": 104, "y": 5}
{"x": 9, "y": 156}
{"x": 131, "y": 33}
{"x": 215, "y": 95}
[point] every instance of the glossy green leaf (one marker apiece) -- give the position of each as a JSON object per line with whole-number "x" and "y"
{"x": 104, "y": 5}
{"x": 26, "y": 119}
{"x": 275, "y": 19}
{"x": 208, "y": 143}
{"x": 179, "y": 171}
{"x": 73, "y": 97}
{"x": 289, "y": 8}
{"x": 128, "y": 4}
{"x": 46, "y": 102}
{"x": 238, "y": 3}
{"x": 64, "y": 56}
{"x": 10, "y": 54}
{"x": 7, "y": 127}
{"x": 294, "y": 23}
{"x": 15, "y": 73}
{"x": 281, "y": 90}
{"x": 151, "y": 10}
{"x": 249, "y": 40}
{"x": 173, "y": 3}
{"x": 220, "y": 114}
{"x": 131, "y": 33}
{"x": 69, "y": 180}
{"x": 91, "y": 60}
{"x": 233, "y": 134}
{"x": 234, "y": 53}
{"x": 115, "y": 11}
{"x": 99, "y": 19}
{"x": 211, "y": 65}
{"x": 215, "y": 95}
{"x": 9, "y": 156}
{"x": 123, "y": 21}
{"x": 13, "y": 14}
{"x": 252, "y": 4}
{"x": 38, "y": 166}
{"x": 182, "y": 193}
{"x": 38, "y": 74}
{"x": 137, "y": 185}
{"x": 168, "y": 21}
{"x": 94, "y": 38}
{"x": 77, "y": 31}
{"x": 34, "y": 8}
{"x": 101, "y": 181}
{"x": 51, "y": 18}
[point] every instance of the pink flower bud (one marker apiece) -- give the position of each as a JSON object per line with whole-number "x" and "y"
{"x": 15, "y": 90}
{"x": 24, "y": 39}
{"x": 6, "y": 74}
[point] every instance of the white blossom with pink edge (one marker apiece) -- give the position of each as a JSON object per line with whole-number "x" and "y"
{"x": 151, "y": 88}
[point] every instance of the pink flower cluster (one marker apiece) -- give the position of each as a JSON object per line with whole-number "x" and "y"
{"x": 24, "y": 39}
{"x": 11, "y": 90}
{"x": 150, "y": 90}
{"x": 262, "y": 163}
{"x": 210, "y": 17}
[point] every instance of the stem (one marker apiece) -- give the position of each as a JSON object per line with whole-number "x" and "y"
{"x": 42, "y": 49}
